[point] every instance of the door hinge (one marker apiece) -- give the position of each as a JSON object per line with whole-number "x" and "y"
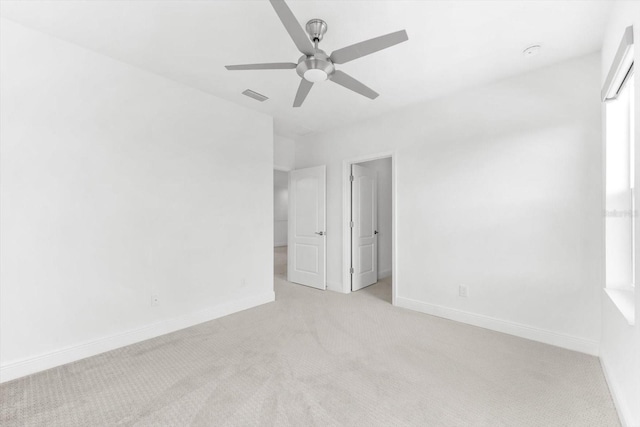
{"x": 351, "y": 224}
{"x": 351, "y": 178}
{"x": 351, "y": 270}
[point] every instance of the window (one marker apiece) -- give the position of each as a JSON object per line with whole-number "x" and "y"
{"x": 620, "y": 178}
{"x": 621, "y": 213}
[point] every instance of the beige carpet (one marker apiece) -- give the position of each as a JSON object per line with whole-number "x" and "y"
{"x": 320, "y": 358}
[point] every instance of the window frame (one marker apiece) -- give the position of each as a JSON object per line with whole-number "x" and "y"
{"x": 620, "y": 78}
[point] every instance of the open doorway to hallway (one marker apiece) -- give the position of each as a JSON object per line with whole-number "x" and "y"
{"x": 371, "y": 226}
{"x": 280, "y": 222}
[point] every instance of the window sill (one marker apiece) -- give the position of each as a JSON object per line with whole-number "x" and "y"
{"x": 624, "y": 300}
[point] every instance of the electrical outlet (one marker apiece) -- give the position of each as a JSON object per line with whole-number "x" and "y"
{"x": 463, "y": 291}
{"x": 155, "y": 300}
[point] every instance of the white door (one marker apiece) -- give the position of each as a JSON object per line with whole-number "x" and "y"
{"x": 364, "y": 228}
{"x": 307, "y": 241}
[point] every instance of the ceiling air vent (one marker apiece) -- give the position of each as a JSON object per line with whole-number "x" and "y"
{"x": 255, "y": 95}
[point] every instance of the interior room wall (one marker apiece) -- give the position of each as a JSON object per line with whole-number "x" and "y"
{"x": 118, "y": 185}
{"x": 384, "y": 208}
{"x": 280, "y": 207}
{"x": 498, "y": 188}
{"x": 620, "y": 348}
{"x": 283, "y": 153}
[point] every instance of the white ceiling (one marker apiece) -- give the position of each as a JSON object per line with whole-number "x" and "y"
{"x": 452, "y": 45}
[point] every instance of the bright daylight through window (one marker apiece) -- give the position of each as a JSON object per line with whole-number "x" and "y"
{"x": 621, "y": 213}
{"x": 620, "y": 192}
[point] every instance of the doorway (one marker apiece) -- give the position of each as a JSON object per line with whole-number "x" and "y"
{"x": 300, "y": 226}
{"x": 280, "y": 222}
{"x": 369, "y": 211}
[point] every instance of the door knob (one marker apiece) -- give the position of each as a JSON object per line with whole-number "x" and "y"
{"x": 375, "y": 232}
{"x": 320, "y": 233}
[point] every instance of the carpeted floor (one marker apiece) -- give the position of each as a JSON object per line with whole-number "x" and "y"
{"x": 320, "y": 358}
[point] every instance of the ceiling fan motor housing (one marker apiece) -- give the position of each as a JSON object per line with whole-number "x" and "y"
{"x": 315, "y": 68}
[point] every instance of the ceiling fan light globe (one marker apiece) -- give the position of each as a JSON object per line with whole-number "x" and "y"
{"x": 315, "y": 75}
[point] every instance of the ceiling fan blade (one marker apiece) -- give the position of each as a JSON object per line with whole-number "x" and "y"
{"x": 344, "y": 79}
{"x": 368, "y": 47}
{"x": 268, "y": 66}
{"x": 303, "y": 91}
{"x": 293, "y": 27}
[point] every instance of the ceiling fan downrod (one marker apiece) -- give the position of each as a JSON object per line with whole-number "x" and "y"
{"x": 316, "y": 28}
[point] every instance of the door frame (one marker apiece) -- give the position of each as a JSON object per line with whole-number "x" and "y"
{"x": 282, "y": 169}
{"x": 346, "y": 218}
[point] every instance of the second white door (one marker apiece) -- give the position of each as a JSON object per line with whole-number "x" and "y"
{"x": 307, "y": 232}
{"x": 364, "y": 228}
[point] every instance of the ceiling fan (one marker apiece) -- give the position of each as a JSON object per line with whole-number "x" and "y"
{"x": 315, "y": 65}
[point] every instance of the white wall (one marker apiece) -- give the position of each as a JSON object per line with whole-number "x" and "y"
{"x": 498, "y": 188}
{"x": 620, "y": 349}
{"x": 280, "y": 207}
{"x": 117, "y": 184}
{"x": 283, "y": 153}
{"x": 384, "y": 207}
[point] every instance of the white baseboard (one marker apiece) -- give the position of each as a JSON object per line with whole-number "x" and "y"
{"x": 384, "y": 274}
{"x": 569, "y": 342}
{"x": 74, "y": 353}
{"x": 621, "y": 407}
